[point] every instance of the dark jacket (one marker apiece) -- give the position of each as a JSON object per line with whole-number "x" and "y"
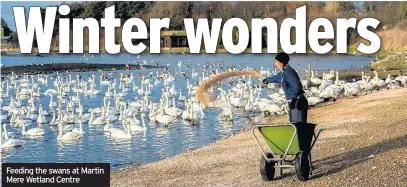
{"x": 290, "y": 82}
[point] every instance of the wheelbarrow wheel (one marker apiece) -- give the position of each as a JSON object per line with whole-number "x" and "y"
{"x": 302, "y": 168}
{"x": 267, "y": 169}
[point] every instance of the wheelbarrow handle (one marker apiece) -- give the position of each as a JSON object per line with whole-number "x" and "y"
{"x": 316, "y": 137}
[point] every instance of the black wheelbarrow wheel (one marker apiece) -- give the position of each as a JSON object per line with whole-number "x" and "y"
{"x": 302, "y": 168}
{"x": 267, "y": 170}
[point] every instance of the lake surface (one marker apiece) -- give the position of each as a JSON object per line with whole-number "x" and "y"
{"x": 158, "y": 142}
{"x": 299, "y": 62}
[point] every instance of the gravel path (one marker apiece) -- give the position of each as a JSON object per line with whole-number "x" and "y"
{"x": 365, "y": 144}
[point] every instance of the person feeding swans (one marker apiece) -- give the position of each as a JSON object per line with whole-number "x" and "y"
{"x": 290, "y": 81}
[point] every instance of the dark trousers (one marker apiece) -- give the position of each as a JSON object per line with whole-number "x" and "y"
{"x": 298, "y": 109}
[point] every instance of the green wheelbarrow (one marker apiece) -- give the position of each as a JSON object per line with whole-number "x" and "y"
{"x": 290, "y": 146}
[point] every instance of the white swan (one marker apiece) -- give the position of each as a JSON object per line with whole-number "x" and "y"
{"x": 132, "y": 121}
{"x": 164, "y": 119}
{"x": 186, "y": 112}
{"x": 227, "y": 110}
{"x": 51, "y": 103}
{"x": 95, "y": 121}
{"x": 137, "y": 127}
{"x": 172, "y": 111}
{"x": 80, "y": 130}
{"x": 152, "y": 114}
{"x": 69, "y": 136}
{"x": 121, "y": 134}
{"x": 33, "y": 132}
{"x": 10, "y": 142}
{"x": 316, "y": 81}
{"x": 41, "y": 118}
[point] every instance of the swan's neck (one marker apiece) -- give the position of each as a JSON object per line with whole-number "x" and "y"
{"x": 60, "y": 132}
{"x": 80, "y": 125}
{"x": 5, "y": 133}
{"x": 23, "y": 132}
{"x": 91, "y": 116}
{"x": 53, "y": 116}
{"x": 142, "y": 121}
{"x": 337, "y": 76}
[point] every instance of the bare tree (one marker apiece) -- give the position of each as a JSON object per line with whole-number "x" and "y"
{"x": 224, "y": 10}
{"x": 168, "y": 9}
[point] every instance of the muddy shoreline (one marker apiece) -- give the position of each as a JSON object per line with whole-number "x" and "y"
{"x": 69, "y": 67}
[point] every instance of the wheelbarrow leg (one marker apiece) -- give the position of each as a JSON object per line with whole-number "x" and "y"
{"x": 281, "y": 169}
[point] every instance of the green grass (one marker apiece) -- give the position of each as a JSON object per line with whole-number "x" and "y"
{"x": 173, "y": 33}
{"x": 390, "y": 63}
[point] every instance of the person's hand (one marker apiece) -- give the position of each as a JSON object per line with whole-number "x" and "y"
{"x": 264, "y": 81}
{"x": 292, "y": 104}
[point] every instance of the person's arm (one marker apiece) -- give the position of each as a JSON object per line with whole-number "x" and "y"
{"x": 273, "y": 79}
{"x": 294, "y": 81}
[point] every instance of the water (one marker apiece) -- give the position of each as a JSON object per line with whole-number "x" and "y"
{"x": 158, "y": 142}
{"x": 299, "y": 62}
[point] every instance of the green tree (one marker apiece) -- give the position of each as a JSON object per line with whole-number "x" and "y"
{"x": 94, "y": 9}
{"x": 6, "y": 28}
{"x": 13, "y": 39}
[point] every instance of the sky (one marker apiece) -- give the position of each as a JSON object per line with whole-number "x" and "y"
{"x": 7, "y": 9}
